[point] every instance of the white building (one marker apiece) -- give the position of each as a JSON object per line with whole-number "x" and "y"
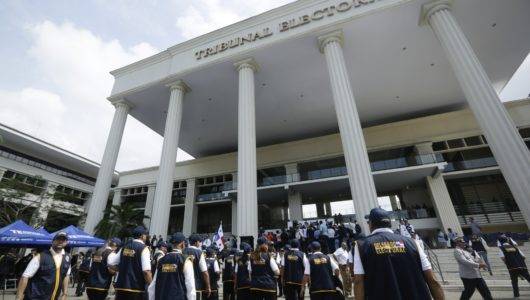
{"x": 57, "y": 184}
{"x": 315, "y": 102}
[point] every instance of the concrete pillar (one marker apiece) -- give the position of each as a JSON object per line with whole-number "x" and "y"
{"x": 442, "y": 203}
{"x": 190, "y": 208}
{"x": 108, "y": 163}
{"x": 234, "y": 217}
{"x": 355, "y": 153}
{"x": 503, "y": 138}
{"x": 425, "y": 152}
{"x": 164, "y": 181}
{"x": 40, "y": 214}
{"x": 295, "y": 205}
{"x": 291, "y": 170}
{"x": 116, "y": 198}
{"x": 247, "y": 197}
{"x": 149, "y": 204}
{"x": 394, "y": 202}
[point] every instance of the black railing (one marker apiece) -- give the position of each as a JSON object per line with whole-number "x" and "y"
{"x": 470, "y": 164}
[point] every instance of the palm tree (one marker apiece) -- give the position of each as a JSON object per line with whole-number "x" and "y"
{"x": 119, "y": 220}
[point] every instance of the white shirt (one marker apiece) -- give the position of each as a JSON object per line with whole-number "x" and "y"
{"x": 305, "y": 261}
{"x": 114, "y": 259}
{"x": 334, "y": 266}
{"x": 343, "y": 256}
{"x": 189, "y": 280}
{"x": 358, "y": 265}
{"x": 202, "y": 261}
{"x": 34, "y": 263}
{"x": 272, "y": 263}
{"x": 403, "y": 230}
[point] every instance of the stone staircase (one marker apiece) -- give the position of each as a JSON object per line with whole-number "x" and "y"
{"x": 500, "y": 280}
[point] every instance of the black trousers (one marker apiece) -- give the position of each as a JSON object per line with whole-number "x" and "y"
{"x": 228, "y": 290}
{"x": 280, "y": 286}
{"x": 93, "y": 294}
{"x": 214, "y": 295}
{"x": 261, "y": 295}
{"x": 324, "y": 296}
{"x": 472, "y": 284}
{"x": 292, "y": 292}
{"x": 125, "y": 295}
{"x": 514, "y": 277}
{"x": 243, "y": 293}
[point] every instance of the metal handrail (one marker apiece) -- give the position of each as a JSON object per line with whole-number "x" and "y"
{"x": 433, "y": 258}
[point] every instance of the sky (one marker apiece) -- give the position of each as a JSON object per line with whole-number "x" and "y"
{"x": 55, "y": 58}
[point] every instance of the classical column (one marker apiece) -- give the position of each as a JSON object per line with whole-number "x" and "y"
{"x": 247, "y": 197}
{"x": 108, "y": 163}
{"x": 150, "y": 199}
{"x": 442, "y": 203}
{"x": 234, "y": 217}
{"x": 505, "y": 142}
{"x": 190, "y": 208}
{"x": 425, "y": 151}
{"x": 42, "y": 210}
{"x": 295, "y": 205}
{"x": 359, "y": 173}
{"x": 164, "y": 181}
{"x": 116, "y": 198}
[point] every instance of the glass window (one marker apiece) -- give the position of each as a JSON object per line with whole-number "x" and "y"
{"x": 438, "y": 146}
{"x": 525, "y": 132}
{"x": 456, "y": 143}
{"x": 309, "y": 211}
{"x": 473, "y": 141}
{"x": 344, "y": 207}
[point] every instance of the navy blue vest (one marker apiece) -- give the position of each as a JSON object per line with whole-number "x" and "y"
{"x": 47, "y": 283}
{"x": 196, "y": 254}
{"x": 228, "y": 271}
{"x": 392, "y": 267}
{"x": 99, "y": 277}
{"x": 512, "y": 258}
{"x": 242, "y": 276}
{"x": 262, "y": 277}
{"x": 476, "y": 244}
{"x": 170, "y": 281}
{"x": 294, "y": 267}
{"x": 214, "y": 276}
{"x": 131, "y": 276}
{"x": 321, "y": 274}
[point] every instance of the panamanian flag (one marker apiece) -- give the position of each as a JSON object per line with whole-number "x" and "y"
{"x": 218, "y": 237}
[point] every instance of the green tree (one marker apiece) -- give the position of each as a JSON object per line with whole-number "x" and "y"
{"x": 13, "y": 206}
{"x": 119, "y": 220}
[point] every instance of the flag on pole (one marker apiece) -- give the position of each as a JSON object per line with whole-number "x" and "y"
{"x": 218, "y": 237}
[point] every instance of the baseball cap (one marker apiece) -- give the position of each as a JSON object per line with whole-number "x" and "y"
{"x": 315, "y": 245}
{"x": 378, "y": 215}
{"x": 61, "y": 234}
{"x": 163, "y": 244}
{"x": 177, "y": 238}
{"x": 245, "y": 247}
{"x": 294, "y": 243}
{"x": 116, "y": 241}
{"x": 261, "y": 241}
{"x": 139, "y": 230}
{"x": 194, "y": 238}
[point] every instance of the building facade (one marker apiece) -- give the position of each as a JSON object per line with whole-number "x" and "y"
{"x": 42, "y": 184}
{"x": 318, "y": 102}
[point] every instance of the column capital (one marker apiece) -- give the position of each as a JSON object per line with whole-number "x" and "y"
{"x": 179, "y": 84}
{"x": 430, "y": 8}
{"x": 334, "y": 36}
{"x": 247, "y": 63}
{"x": 121, "y": 102}
{"x": 150, "y": 185}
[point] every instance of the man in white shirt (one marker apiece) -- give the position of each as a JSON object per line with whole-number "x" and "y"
{"x": 172, "y": 267}
{"x": 344, "y": 259}
{"x": 57, "y": 262}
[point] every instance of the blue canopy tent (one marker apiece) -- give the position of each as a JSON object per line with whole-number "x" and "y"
{"x": 21, "y": 234}
{"x": 79, "y": 238}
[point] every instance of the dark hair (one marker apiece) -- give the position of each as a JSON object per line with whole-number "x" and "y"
{"x": 381, "y": 224}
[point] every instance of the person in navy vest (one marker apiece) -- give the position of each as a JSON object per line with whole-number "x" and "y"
{"x": 320, "y": 275}
{"x": 263, "y": 272}
{"x": 294, "y": 263}
{"x": 242, "y": 284}
{"x": 46, "y": 276}
{"x": 99, "y": 277}
{"x": 228, "y": 272}
{"x": 213, "y": 273}
{"x": 202, "y": 279}
{"x": 390, "y": 266}
{"x": 174, "y": 277}
{"x": 479, "y": 245}
{"x": 159, "y": 253}
{"x": 133, "y": 264}
{"x": 515, "y": 262}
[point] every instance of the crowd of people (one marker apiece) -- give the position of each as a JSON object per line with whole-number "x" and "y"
{"x": 325, "y": 260}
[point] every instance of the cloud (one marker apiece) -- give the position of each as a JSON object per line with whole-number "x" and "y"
{"x": 74, "y": 63}
{"x": 203, "y": 16}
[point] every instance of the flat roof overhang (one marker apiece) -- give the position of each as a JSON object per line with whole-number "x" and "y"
{"x": 397, "y": 70}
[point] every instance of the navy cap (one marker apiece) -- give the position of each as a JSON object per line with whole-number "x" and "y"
{"x": 61, "y": 234}
{"x": 315, "y": 245}
{"x": 294, "y": 243}
{"x": 210, "y": 251}
{"x": 287, "y": 247}
{"x": 245, "y": 247}
{"x": 163, "y": 244}
{"x": 116, "y": 241}
{"x": 177, "y": 238}
{"x": 194, "y": 238}
{"x": 261, "y": 241}
{"x": 378, "y": 215}
{"x": 139, "y": 230}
